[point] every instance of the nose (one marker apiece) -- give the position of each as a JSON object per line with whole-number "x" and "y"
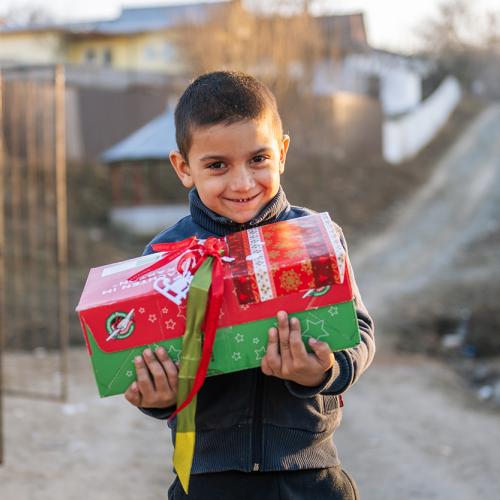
{"x": 242, "y": 179}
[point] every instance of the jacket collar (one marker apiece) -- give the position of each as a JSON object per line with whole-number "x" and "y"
{"x": 221, "y": 226}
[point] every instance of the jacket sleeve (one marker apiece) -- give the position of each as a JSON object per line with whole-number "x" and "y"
{"x": 159, "y": 413}
{"x": 349, "y": 363}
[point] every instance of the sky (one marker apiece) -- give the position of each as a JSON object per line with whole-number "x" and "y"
{"x": 391, "y": 24}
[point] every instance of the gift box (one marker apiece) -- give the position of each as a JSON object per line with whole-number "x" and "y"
{"x": 298, "y": 266}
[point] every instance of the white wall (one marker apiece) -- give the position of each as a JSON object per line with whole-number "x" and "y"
{"x": 148, "y": 220}
{"x": 404, "y": 137}
{"x": 400, "y": 79}
{"x": 400, "y": 91}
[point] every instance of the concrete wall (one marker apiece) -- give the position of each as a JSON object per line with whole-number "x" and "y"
{"x": 99, "y": 118}
{"x": 344, "y": 125}
{"x": 405, "y": 136}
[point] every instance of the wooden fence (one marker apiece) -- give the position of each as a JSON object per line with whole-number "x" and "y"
{"x": 33, "y": 235}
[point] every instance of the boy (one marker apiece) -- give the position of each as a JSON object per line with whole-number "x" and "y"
{"x": 262, "y": 433}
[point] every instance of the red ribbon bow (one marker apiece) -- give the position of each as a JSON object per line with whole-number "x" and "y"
{"x": 194, "y": 252}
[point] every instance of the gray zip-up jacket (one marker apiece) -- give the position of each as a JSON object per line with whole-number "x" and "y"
{"x": 248, "y": 421}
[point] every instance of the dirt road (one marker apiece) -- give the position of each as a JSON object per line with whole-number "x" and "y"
{"x": 410, "y": 430}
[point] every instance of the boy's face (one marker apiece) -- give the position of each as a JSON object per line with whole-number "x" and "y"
{"x": 236, "y": 168}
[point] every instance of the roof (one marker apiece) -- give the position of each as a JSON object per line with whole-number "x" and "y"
{"x": 346, "y": 31}
{"x": 153, "y": 141}
{"x": 133, "y": 20}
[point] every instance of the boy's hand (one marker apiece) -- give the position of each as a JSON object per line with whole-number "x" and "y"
{"x": 286, "y": 356}
{"x": 156, "y": 385}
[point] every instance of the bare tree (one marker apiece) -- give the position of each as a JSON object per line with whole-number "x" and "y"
{"x": 279, "y": 49}
{"x": 27, "y": 15}
{"x": 465, "y": 43}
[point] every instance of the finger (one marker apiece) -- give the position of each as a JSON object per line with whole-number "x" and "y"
{"x": 297, "y": 347}
{"x": 284, "y": 339}
{"x": 272, "y": 356}
{"x": 323, "y": 353}
{"x": 266, "y": 369}
{"x": 132, "y": 395}
{"x": 157, "y": 372}
{"x": 144, "y": 381}
{"x": 169, "y": 367}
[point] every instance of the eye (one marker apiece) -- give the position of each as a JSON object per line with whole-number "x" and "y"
{"x": 259, "y": 159}
{"x": 218, "y": 165}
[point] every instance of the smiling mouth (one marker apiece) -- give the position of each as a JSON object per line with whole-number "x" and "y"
{"x": 243, "y": 200}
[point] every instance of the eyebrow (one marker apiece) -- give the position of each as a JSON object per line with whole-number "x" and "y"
{"x": 259, "y": 151}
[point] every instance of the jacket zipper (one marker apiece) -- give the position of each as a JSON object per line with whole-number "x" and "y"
{"x": 257, "y": 423}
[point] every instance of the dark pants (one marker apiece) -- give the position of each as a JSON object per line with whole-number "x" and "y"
{"x": 318, "y": 484}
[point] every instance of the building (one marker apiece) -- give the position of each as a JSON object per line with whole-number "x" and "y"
{"x": 140, "y": 39}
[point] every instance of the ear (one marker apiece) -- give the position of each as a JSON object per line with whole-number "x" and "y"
{"x": 182, "y": 169}
{"x": 285, "y": 144}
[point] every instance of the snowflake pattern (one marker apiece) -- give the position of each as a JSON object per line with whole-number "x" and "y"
{"x": 129, "y": 373}
{"x": 259, "y": 353}
{"x": 289, "y": 280}
{"x": 221, "y": 314}
{"x": 244, "y": 306}
{"x": 256, "y": 340}
{"x": 236, "y": 356}
{"x": 164, "y": 310}
{"x": 170, "y": 324}
{"x": 239, "y": 338}
{"x": 152, "y": 318}
{"x": 142, "y": 310}
{"x": 333, "y": 311}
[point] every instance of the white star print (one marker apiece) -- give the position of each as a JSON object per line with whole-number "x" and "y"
{"x": 174, "y": 353}
{"x": 333, "y": 311}
{"x": 316, "y": 325}
{"x": 170, "y": 324}
{"x": 259, "y": 353}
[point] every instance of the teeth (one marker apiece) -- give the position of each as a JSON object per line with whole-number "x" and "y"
{"x": 242, "y": 200}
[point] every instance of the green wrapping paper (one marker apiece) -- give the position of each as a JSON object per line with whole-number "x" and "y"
{"x": 236, "y": 347}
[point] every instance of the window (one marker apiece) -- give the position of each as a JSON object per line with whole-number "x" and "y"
{"x": 90, "y": 56}
{"x": 150, "y": 52}
{"x": 107, "y": 56}
{"x": 169, "y": 52}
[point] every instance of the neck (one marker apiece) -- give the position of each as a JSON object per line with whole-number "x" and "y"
{"x": 220, "y": 225}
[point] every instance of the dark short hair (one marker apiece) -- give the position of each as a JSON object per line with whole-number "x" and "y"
{"x": 222, "y": 97}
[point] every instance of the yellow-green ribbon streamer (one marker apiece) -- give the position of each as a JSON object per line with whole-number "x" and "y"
{"x": 190, "y": 358}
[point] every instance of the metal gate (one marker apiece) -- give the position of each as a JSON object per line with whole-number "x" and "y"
{"x": 33, "y": 235}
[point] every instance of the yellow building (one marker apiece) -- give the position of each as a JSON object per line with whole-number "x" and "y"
{"x": 32, "y": 46}
{"x": 140, "y": 39}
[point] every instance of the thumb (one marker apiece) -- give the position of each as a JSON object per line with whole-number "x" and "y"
{"x": 323, "y": 353}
